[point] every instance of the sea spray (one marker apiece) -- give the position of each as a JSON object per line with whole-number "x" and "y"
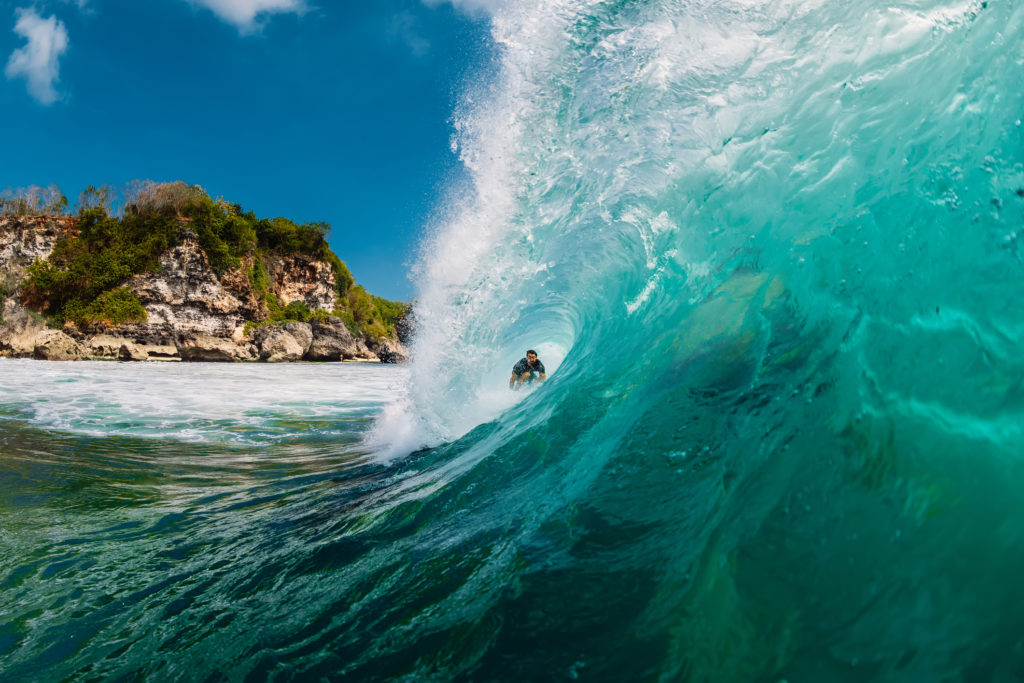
{"x": 770, "y": 255}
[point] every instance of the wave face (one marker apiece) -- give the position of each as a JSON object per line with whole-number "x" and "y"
{"x": 771, "y": 255}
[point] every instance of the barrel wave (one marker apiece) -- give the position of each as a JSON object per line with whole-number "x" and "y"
{"x": 772, "y": 255}
{"x": 773, "y": 252}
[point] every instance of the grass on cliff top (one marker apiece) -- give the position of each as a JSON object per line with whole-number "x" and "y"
{"x": 83, "y": 278}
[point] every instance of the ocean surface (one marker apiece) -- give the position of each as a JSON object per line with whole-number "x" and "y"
{"x": 772, "y": 255}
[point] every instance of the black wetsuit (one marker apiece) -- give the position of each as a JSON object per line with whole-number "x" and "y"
{"x": 524, "y": 366}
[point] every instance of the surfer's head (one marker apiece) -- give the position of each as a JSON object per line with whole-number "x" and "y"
{"x": 531, "y": 356}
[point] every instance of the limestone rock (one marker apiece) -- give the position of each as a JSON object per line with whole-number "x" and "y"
{"x": 237, "y": 283}
{"x": 19, "y": 331}
{"x": 302, "y": 278}
{"x": 193, "y": 313}
{"x": 362, "y": 352}
{"x": 186, "y": 298}
{"x": 137, "y": 352}
{"x": 23, "y": 239}
{"x": 161, "y": 352}
{"x": 130, "y": 351}
{"x": 331, "y": 341}
{"x": 55, "y": 345}
{"x": 284, "y": 343}
{"x": 217, "y": 349}
{"x": 103, "y": 346}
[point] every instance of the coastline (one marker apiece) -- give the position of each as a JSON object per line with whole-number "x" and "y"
{"x": 269, "y": 307}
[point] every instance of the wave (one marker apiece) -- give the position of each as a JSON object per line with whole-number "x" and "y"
{"x": 769, "y": 253}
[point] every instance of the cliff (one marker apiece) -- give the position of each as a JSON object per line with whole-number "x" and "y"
{"x": 268, "y": 306}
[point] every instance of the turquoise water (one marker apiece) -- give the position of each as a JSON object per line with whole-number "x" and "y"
{"x": 770, "y": 255}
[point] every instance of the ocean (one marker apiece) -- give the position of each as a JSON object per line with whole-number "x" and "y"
{"x": 771, "y": 255}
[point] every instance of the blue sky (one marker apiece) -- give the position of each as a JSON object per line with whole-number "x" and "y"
{"x": 338, "y": 112}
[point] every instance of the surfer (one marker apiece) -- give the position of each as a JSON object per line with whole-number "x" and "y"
{"x": 527, "y": 370}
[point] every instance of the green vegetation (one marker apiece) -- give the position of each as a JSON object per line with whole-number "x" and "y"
{"x": 33, "y": 200}
{"x": 106, "y": 252}
{"x": 363, "y": 313}
{"x": 115, "y": 307}
{"x": 123, "y": 234}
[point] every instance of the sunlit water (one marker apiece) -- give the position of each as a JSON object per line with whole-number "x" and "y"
{"x": 771, "y": 255}
{"x": 140, "y": 503}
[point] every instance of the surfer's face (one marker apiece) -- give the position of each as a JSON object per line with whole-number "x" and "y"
{"x": 531, "y": 358}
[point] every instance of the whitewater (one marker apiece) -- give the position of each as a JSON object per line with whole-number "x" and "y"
{"x": 771, "y": 255}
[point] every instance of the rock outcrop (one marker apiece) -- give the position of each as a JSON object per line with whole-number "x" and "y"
{"x": 55, "y": 345}
{"x": 333, "y": 341}
{"x": 284, "y": 343}
{"x": 204, "y": 347}
{"x": 186, "y": 300}
{"x": 19, "y": 331}
{"x": 300, "y": 278}
{"x": 192, "y": 313}
{"x": 389, "y": 351}
{"x": 24, "y": 239}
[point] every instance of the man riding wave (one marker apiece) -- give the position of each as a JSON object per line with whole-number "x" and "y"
{"x": 527, "y": 370}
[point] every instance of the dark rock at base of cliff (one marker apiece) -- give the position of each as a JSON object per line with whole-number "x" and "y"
{"x": 387, "y": 356}
{"x": 284, "y": 343}
{"x": 389, "y": 350}
{"x": 332, "y": 341}
{"x": 404, "y": 327}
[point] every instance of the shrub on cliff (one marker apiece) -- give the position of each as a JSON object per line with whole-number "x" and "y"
{"x": 282, "y": 236}
{"x": 117, "y": 238}
{"x": 115, "y": 307}
{"x": 368, "y": 315}
{"x": 296, "y": 311}
{"x": 105, "y": 252}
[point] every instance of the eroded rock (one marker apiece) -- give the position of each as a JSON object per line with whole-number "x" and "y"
{"x": 305, "y": 279}
{"x": 186, "y": 298}
{"x": 332, "y": 341}
{"x": 103, "y": 346}
{"x": 192, "y": 312}
{"x": 214, "y": 349}
{"x": 389, "y": 350}
{"x": 19, "y": 331}
{"x": 284, "y": 343}
{"x": 55, "y": 345}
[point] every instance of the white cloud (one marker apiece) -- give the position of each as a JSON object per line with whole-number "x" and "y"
{"x": 38, "y": 62}
{"x": 404, "y": 28}
{"x": 246, "y": 14}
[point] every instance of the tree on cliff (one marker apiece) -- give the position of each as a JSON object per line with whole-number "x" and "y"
{"x": 33, "y": 200}
{"x": 83, "y": 278}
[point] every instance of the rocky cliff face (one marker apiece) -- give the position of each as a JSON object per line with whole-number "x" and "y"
{"x": 186, "y": 299}
{"x": 192, "y": 313}
{"x": 25, "y": 239}
{"x": 299, "y": 278}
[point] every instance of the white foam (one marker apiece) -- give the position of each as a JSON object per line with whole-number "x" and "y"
{"x": 194, "y": 402}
